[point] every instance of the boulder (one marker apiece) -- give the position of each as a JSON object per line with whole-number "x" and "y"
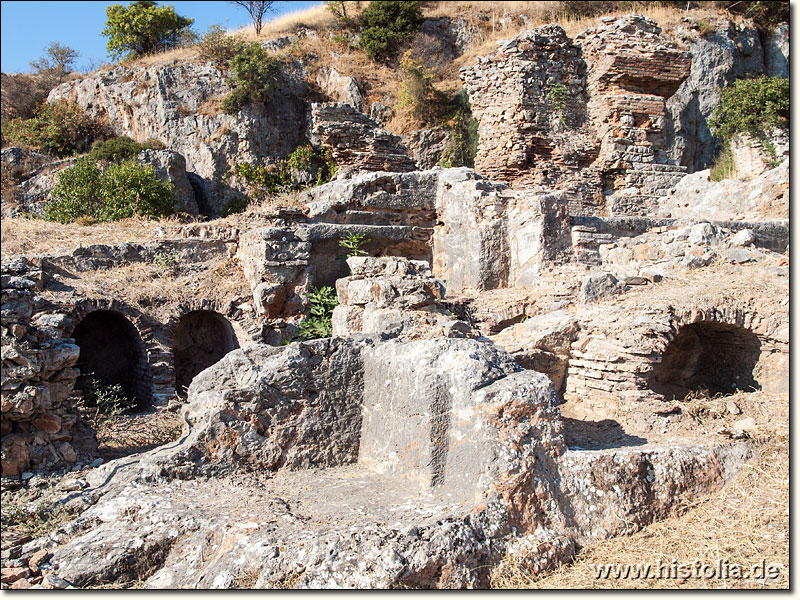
{"x": 171, "y": 166}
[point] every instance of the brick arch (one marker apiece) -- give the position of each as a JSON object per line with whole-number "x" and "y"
{"x": 172, "y": 377}
{"x": 116, "y": 342}
{"x": 764, "y": 326}
{"x": 609, "y": 370}
{"x": 247, "y": 330}
{"x": 721, "y": 348}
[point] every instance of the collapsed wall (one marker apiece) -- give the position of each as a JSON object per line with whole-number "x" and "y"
{"x": 586, "y": 116}
{"x": 40, "y": 427}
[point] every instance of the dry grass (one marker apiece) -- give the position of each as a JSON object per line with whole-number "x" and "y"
{"x": 154, "y": 289}
{"x": 27, "y": 236}
{"x": 744, "y": 523}
{"x": 129, "y": 434}
{"x": 316, "y": 17}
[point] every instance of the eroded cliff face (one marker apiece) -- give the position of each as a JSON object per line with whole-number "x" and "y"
{"x": 179, "y": 105}
{"x": 719, "y": 57}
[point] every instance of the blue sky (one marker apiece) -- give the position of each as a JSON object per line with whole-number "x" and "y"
{"x": 27, "y": 28}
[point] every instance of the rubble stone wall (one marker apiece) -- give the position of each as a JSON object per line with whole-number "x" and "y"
{"x": 40, "y": 427}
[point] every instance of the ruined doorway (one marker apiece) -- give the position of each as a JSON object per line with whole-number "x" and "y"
{"x": 201, "y": 339}
{"x": 716, "y": 357}
{"x": 112, "y": 352}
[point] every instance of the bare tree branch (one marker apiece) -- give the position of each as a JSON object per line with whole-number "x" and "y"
{"x": 256, "y": 10}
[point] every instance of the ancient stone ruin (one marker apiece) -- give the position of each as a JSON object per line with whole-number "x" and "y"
{"x": 509, "y": 356}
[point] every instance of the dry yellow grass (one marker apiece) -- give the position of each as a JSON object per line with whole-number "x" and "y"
{"x": 745, "y": 523}
{"x": 45, "y": 237}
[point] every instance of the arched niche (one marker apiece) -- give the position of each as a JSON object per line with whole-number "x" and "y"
{"x": 112, "y": 352}
{"x": 201, "y": 338}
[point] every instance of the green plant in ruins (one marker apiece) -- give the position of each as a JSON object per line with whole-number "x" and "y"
{"x": 353, "y": 242}
{"x": 321, "y": 303}
{"x": 557, "y": 95}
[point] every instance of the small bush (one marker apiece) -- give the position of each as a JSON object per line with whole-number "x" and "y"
{"x": 417, "y": 91}
{"x": 219, "y": 47}
{"x": 129, "y": 189}
{"x": 321, "y": 303}
{"x": 117, "y": 149}
{"x": 75, "y": 194}
{"x": 304, "y": 165}
{"x": 724, "y": 166}
{"x": 60, "y": 128}
{"x": 252, "y": 74}
{"x": 123, "y": 190}
{"x": 386, "y": 25}
{"x": 557, "y": 96}
{"x": 353, "y": 243}
{"x": 339, "y": 10}
{"x": 751, "y": 106}
{"x": 108, "y": 399}
{"x": 463, "y": 145}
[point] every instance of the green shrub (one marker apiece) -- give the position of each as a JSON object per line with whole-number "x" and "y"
{"x": 751, "y": 106}
{"x": 558, "y": 96}
{"x": 353, "y": 242}
{"x": 121, "y": 191}
{"x": 60, "y": 128}
{"x": 76, "y": 193}
{"x": 143, "y": 28}
{"x": 724, "y": 166}
{"x": 463, "y": 145}
{"x": 219, "y": 47}
{"x": 317, "y": 162}
{"x": 117, "y": 149}
{"x": 283, "y": 176}
{"x": 108, "y": 399}
{"x": 386, "y": 25}
{"x": 128, "y": 189}
{"x": 252, "y": 74}
{"x": 321, "y": 303}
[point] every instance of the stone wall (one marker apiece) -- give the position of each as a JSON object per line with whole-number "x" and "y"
{"x": 492, "y": 237}
{"x": 523, "y": 136}
{"x": 586, "y": 116}
{"x": 627, "y": 244}
{"x": 393, "y": 297}
{"x": 611, "y": 365}
{"x": 41, "y": 429}
{"x": 356, "y": 142}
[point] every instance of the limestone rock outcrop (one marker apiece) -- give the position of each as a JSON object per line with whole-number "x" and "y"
{"x": 763, "y": 197}
{"x": 719, "y": 57}
{"x": 355, "y": 141}
{"x": 179, "y": 106}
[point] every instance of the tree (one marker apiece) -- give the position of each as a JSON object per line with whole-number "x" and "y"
{"x": 256, "y": 10}
{"x": 386, "y": 25}
{"x": 143, "y": 28}
{"x": 57, "y": 62}
{"x": 339, "y": 10}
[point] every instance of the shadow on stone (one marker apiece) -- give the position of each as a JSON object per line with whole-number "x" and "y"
{"x": 598, "y": 435}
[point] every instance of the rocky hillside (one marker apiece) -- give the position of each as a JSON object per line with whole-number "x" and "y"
{"x": 451, "y": 316}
